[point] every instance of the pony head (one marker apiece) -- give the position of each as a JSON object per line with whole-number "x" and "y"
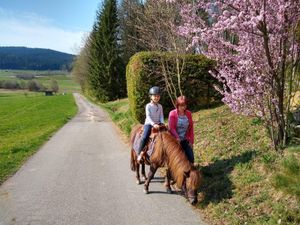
{"x": 193, "y": 181}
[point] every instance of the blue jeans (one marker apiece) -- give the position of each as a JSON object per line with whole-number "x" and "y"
{"x": 188, "y": 150}
{"x": 145, "y": 137}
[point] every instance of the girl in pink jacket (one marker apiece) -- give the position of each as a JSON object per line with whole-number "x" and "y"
{"x": 181, "y": 126}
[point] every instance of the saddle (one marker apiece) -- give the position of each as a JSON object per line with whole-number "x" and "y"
{"x": 154, "y": 131}
{"x": 149, "y": 147}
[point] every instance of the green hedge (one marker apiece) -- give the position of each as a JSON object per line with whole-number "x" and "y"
{"x": 144, "y": 71}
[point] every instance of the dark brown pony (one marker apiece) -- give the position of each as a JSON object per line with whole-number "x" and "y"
{"x": 167, "y": 151}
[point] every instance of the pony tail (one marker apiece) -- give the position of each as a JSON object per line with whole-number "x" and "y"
{"x": 133, "y": 133}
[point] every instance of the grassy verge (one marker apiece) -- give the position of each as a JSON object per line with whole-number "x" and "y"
{"x": 27, "y": 121}
{"x": 239, "y": 166}
{"x": 244, "y": 179}
{"x": 120, "y": 114}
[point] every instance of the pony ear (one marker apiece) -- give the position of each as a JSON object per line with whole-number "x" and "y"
{"x": 187, "y": 173}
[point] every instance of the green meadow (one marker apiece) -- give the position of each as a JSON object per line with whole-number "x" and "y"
{"x": 65, "y": 80}
{"x": 27, "y": 121}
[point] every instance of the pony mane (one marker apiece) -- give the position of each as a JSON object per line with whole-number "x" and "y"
{"x": 174, "y": 155}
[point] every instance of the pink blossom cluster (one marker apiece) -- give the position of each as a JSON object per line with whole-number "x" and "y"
{"x": 240, "y": 35}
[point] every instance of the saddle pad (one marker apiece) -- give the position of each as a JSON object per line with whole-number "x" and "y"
{"x": 137, "y": 141}
{"x": 150, "y": 147}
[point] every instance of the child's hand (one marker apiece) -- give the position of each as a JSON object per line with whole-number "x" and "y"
{"x": 156, "y": 126}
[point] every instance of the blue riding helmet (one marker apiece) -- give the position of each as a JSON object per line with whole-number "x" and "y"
{"x": 154, "y": 90}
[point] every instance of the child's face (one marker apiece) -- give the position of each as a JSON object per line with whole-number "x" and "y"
{"x": 155, "y": 98}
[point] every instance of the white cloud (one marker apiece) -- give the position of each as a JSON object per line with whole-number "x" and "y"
{"x": 32, "y": 30}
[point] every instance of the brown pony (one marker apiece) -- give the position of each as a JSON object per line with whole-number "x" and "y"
{"x": 167, "y": 151}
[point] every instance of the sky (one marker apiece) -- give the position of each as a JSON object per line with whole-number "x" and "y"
{"x": 60, "y": 25}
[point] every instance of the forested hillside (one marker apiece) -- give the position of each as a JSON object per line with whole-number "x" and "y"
{"x": 34, "y": 59}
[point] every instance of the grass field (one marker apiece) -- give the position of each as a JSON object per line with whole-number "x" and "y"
{"x": 27, "y": 121}
{"x": 65, "y": 81}
{"x": 239, "y": 167}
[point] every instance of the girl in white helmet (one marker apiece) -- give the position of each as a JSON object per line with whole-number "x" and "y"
{"x": 154, "y": 117}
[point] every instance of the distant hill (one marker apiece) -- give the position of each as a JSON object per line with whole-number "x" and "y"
{"x": 34, "y": 59}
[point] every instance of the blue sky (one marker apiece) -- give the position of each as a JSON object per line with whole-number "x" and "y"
{"x": 60, "y": 25}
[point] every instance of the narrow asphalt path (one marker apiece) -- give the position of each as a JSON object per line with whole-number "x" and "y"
{"x": 82, "y": 176}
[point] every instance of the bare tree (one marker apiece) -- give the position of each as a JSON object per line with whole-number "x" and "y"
{"x": 129, "y": 35}
{"x": 80, "y": 68}
{"x": 157, "y": 24}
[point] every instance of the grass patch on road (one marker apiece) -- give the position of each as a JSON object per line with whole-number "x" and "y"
{"x": 27, "y": 121}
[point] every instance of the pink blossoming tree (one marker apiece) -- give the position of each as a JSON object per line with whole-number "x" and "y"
{"x": 257, "y": 52}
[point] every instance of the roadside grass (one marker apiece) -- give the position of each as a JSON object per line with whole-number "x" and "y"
{"x": 287, "y": 177}
{"x": 27, "y": 121}
{"x": 238, "y": 164}
{"x": 239, "y": 168}
{"x": 120, "y": 114}
{"x": 65, "y": 81}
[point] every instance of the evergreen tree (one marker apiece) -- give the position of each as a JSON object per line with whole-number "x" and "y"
{"x": 106, "y": 69}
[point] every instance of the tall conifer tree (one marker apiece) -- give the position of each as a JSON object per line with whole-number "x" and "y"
{"x": 106, "y": 69}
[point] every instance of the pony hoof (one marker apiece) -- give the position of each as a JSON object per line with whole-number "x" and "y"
{"x": 146, "y": 191}
{"x": 138, "y": 182}
{"x": 169, "y": 191}
{"x": 193, "y": 201}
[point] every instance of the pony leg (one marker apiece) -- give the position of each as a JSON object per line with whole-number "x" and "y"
{"x": 167, "y": 181}
{"x": 138, "y": 179}
{"x": 150, "y": 176}
{"x": 183, "y": 188}
{"x": 143, "y": 172}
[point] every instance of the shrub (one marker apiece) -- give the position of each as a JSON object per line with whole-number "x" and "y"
{"x": 10, "y": 84}
{"x": 34, "y": 85}
{"x": 144, "y": 71}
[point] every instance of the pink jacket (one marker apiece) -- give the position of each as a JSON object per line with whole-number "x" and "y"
{"x": 173, "y": 118}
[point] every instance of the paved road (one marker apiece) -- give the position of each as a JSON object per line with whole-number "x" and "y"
{"x": 82, "y": 176}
